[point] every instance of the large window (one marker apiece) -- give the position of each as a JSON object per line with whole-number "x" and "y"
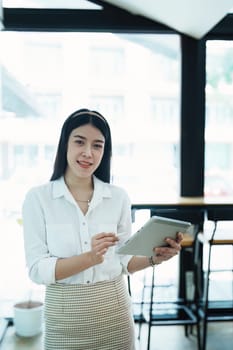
{"x": 219, "y": 119}
{"x": 45, "y": 76}
{"x": 219, "y": 155}
{"x": 133, "y": 80}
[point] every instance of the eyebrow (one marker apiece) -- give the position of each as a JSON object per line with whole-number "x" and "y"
{"x": 84, "y": 138}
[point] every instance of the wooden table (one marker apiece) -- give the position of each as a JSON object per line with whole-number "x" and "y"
{"x": 188, "y": 202}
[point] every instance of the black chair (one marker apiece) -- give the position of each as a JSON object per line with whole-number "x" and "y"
{"x": 138, "y": 305}
{"x": 182, "y": 311}
{"x": 214, "y": 310}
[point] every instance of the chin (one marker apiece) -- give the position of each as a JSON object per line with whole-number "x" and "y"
{"x": 84, "y": 175}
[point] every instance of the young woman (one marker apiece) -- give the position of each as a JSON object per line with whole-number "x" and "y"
{"x": 72, "y": 225}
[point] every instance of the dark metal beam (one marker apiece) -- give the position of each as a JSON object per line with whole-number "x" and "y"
{"x": 110, "y": 18}
{"x": 114, "y": 20}
{"x": 223, "y": 30}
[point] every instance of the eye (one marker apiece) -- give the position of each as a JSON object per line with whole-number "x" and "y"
{"x": 98, "y": 145}
{"x": 79, "y": 142}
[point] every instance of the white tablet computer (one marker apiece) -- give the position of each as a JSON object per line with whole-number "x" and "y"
{"x": 152, "y": 234}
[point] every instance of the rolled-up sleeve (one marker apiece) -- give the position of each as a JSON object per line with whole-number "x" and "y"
{"x": 40, "y": 264}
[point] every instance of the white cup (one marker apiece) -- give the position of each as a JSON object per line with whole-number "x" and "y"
{"x": 28, "y": 318}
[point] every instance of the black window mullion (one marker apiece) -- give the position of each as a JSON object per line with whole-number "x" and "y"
{"x": 192, "y": 116}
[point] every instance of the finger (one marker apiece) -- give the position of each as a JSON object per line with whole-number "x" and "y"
{"x": 104, "y": 245}
{"x": 165, "y": 256}
{"x": 172, "y": 243}
{"x": 168, "y": 251}
{"x": 110, "y": 240}
{"x": 103, "y": 235}
{"x": 179, "y": 237}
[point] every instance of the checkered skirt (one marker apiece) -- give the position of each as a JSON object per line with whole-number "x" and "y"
{"x": 89, "y": 317}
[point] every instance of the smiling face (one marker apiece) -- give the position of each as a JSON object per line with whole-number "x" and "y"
{"x": 85, "y": 150}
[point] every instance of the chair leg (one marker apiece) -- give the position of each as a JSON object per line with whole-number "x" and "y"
{"x": 148, "y": 336}
{"x": 150, "y": 311}
{"x": 186, "y": 330}
{"x": 142, "y": 305}
{"x": 204, "y": 321}
{"x": 198, "y": 336}
{"x": 139, "y": 330}
{"x": 198, "y": 282}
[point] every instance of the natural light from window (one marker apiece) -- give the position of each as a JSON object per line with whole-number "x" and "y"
{"x": 219, "y": 120}
{"x": 133, "y": 80}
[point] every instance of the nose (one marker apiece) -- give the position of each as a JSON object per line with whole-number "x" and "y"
{"x": 87, "y": 151}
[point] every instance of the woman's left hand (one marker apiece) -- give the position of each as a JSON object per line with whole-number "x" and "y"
{"x": 165, "y": 253}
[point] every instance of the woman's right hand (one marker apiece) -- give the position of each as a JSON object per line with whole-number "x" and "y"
{"x": 100, "y": 243}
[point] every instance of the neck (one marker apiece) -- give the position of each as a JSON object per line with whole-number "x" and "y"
{"x": 79, "y": 184}
{"x": 81, "y": 190}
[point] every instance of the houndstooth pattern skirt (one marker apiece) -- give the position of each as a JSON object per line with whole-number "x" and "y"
{"x": 89, "y": 317}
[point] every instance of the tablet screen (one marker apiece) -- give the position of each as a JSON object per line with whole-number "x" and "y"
{"x": 151, "y": 235}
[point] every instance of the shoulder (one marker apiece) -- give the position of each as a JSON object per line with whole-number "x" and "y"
{"x": 38, "y": 191}
{"x": 118, "y": 190}
{"x": 112, "y": 190}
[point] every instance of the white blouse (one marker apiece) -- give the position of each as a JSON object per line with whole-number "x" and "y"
{"x": 55, "y": 227}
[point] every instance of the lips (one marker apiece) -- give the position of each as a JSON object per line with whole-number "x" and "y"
{"x": 84, "y": 164}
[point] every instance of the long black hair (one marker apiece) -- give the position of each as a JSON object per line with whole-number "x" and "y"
{"x": 76, "y": 119}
